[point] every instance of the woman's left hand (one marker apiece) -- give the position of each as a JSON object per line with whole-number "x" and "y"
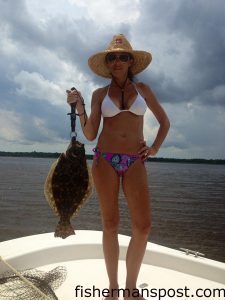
{"x": 146, "y": 151}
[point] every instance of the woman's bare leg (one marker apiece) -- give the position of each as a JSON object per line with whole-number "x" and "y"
{"x": 106, "y": 183}
{"x": 135, "y": 187}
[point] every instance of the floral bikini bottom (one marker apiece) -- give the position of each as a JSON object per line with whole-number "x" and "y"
{"x": 119, "y": 161}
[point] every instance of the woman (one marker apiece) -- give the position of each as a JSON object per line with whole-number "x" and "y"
{"x": 121, "y": 150}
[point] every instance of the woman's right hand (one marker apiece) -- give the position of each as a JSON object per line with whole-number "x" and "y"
{"x": 73, "y": 96}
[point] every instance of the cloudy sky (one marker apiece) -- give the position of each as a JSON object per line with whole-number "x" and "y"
{"x": 44, "y": 47}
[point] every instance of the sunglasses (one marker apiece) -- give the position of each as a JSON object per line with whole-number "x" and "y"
{"x": 122, "y": 57}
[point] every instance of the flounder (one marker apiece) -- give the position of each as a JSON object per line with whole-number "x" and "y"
{"x": 68, "y": 185}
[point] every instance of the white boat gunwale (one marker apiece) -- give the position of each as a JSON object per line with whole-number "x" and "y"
{"x": 43, "y": 249}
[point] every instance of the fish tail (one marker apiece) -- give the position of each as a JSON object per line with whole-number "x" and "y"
{"x": 64, "y": 229}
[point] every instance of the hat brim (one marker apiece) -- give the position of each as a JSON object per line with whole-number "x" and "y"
{"x": 98, "y": 65}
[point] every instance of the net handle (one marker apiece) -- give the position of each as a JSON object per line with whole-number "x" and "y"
{"x": 24, "y": 279}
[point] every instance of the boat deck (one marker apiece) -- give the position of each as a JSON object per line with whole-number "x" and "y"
{"x": 165, "y": 273}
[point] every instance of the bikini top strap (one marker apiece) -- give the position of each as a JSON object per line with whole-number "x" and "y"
{"x": 135, "y": 86}
{"x": 108, "y": 90}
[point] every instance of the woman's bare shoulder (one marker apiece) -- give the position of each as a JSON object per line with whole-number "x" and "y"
{"x": 143, "y": 89}
{"x": 100, "y": 91}
{"x": 143, "y": 86}
{"x": 148, "y": 95}
{"x": 98, "y": 95}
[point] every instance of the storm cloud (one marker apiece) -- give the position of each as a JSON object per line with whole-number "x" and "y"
{"x": 44, "y": 50}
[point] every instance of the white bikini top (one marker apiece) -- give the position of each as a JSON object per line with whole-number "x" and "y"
{"x": 109, "y": 108}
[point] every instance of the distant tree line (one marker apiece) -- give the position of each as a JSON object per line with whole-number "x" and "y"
{"x": 89, "y": 156}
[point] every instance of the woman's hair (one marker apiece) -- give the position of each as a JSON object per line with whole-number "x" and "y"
{"x": 130, "y": 75}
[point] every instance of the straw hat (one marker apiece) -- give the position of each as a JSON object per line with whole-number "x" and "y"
{"x": 119, "y": 43}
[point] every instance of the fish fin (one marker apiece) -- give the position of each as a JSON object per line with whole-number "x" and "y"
{"x": 48, "y": 187}
{"x": 64, "y": 230}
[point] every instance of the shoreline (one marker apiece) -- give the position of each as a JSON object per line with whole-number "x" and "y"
{"x": 35, "y": 154}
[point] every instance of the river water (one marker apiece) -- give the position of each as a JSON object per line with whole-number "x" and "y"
{"x": 188, "y": 204}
